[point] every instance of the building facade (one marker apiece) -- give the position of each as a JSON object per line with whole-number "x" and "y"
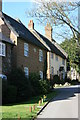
{"x": 28, "y": 53}
{"x": 56, "y": 56}
{"x": 31, "y": 51}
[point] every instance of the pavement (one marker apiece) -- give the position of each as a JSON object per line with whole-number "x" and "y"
{"x": 65, "y": 105}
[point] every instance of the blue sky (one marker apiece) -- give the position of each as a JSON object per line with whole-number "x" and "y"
{"x": 18, "y": 10}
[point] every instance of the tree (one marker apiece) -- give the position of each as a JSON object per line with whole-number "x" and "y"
{"x": 58, "y": 14}
{"x": 70, "y": 46}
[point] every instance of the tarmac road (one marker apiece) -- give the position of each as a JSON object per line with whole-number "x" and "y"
{"x": 65, "y": 105}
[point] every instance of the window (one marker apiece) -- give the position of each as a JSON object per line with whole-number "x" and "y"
{"x": 52, "y": 72}
{"x": 2, "y": 49}
{"x": 56, "y": 58}
{"x": 63, "y": 61}
{"x": 40, "y": 55}
{"x": 26, "y": 70}
{"x": 34, "y": 49}
{"x": 26, "y": 49}
{"x": 41, "y": 74}
{"x": 52, "y": 55}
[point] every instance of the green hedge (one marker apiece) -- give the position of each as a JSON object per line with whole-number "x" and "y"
{"x": 18, "y": 88}
{"x": 45, "y": 86}
{"x": 9, "y": 93}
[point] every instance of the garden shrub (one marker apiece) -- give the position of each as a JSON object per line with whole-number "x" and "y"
{"x": 74, "y": 82}
{"x": 40, "y": 86}
{"x": 4, "y": 91}
{"x": 17, "y": 78}
{"x": 56, "y": 79}
{"x": 68, "y": 80}
{"x": 11, "y": 94}
{"x": 45, "y": 86}
{"x": 19, "y": 88}
{"x": 34, "y": 80}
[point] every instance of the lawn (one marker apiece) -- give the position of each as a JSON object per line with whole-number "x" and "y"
{"x": 22, "y": 110}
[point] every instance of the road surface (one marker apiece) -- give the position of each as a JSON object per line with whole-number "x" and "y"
{"x": 65, "y": 105}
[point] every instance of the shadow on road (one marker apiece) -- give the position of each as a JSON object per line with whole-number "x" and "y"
{"x": 66, "y": 93}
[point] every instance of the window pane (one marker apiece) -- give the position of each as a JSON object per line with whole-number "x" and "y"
{"x": 63, "y": 61}
{"x": 56, "y": 58}
{"x": 26, "y": 71}
{"x": 26, "y": 49}
{"x": 40, "y": 55}
{"x": 41, "y": 74}
{"x": 3, "y": 49}
{"x": 52, "y": 55}
{"x": 52, "y": 71}
{"x": 0, "y": 49}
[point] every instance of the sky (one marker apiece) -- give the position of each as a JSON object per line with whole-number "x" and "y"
{"x": 19, "y": 9}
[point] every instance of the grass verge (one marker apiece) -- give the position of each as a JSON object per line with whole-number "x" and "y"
{"x": 22, "y": 110}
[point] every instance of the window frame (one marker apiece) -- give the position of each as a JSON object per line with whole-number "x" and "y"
{"x": 56, "y": 58}
{"x": 2, "y": 49}
{"x": 52, "y": 70}
{"x": 40, "y": 55}
{"x": 26, "y": 73}
{"x": 26, "y": 49}
{"x": 63, "y": 61}
{"x": 41, "y": 74}
{"x": 52, "y": 56}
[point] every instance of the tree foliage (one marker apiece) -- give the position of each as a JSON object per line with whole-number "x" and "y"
{"x": 70, "y": 46}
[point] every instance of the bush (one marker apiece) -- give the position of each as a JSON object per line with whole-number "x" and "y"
{"x": 56, "y": 80}
{"x": 45, "y": 86}
{"x": 39, "y": 86}
{"x": 74, "y": 82}
{"x": 17, "y": 78}
{"x": 4, "y": 91}
{"x": 68, "y": 80}
{"x": 18, "y": 88}
{"x": 9, "y": 93}
{"x": 34, "y": 80}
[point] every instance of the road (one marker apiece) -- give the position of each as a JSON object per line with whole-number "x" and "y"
{"x": 65, "y": 105}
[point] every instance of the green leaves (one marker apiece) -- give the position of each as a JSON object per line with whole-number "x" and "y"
{"x": 70, "y": 46}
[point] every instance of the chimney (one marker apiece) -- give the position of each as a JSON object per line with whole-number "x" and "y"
{"x": 0, "y": 5}
{"x": 31, "y": 25}
{"x": 48, "y": 31}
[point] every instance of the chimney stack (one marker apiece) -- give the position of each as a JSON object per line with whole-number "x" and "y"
{"x": 48, "y": 31}
{"x": 31, "y": 25}
{"x": 0, "y": 5}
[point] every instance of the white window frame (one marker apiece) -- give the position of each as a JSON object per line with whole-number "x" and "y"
{"x": 26, "y": 70}
{"x": 26, "y": 49}
{"x": 2, "y": 49}
{"x": 40, "y": 55}
{"x": 41, "y": 74}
